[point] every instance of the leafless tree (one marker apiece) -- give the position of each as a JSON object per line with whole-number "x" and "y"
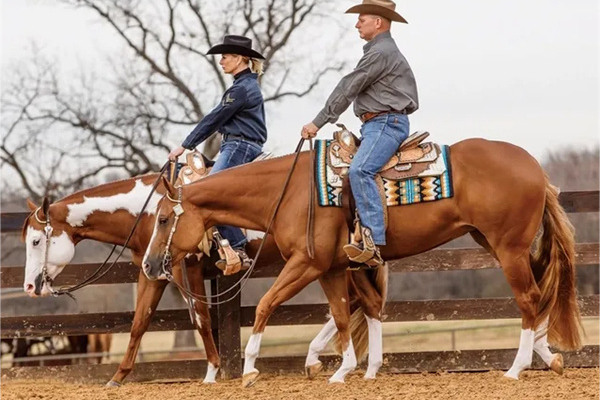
{"x": 60, "y": 133}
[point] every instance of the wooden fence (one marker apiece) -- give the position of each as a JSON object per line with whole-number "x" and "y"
{"x": 230, "y": 317}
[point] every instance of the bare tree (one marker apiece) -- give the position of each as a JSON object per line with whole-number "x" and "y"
{"x": 120, "y": 119}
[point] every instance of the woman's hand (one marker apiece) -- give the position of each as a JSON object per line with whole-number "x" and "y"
{"x": 309, "y": 131}
{"x": 175, "y": 153}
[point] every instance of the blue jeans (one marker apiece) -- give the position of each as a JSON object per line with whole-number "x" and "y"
{"x": 233, "y": 153}
{"x": 381, "y": 137}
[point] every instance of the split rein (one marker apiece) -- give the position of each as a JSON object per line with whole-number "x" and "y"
{"x": 178, "y": 210}
{"x": 97, "y": 275}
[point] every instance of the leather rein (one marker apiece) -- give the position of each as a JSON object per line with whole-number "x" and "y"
{"x": 178, "y": 210}
{"x": 97, "y": 274}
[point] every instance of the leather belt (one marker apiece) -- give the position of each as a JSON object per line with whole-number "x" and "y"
{"x": 227, "y": 137}
{"x": 370, "y": 115}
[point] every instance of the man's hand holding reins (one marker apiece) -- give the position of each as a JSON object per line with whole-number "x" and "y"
{"x": 309, "y": 131}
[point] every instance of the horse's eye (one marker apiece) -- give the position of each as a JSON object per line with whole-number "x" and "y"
{"x": 163, "y": 220}
{"x": 36, "y": 242}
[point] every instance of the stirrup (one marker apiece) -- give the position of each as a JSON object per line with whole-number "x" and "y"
{"x": 230, "y": 262}
{"x": 362, "y": 249}
{"x": 245, "y": 263}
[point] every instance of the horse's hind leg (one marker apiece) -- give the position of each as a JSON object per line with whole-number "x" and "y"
{"x": 371, "y": 293}
{"x": 297, "y": 273}
{"x": 516, "y": 267}
{"x": 540, "y": 347}
{"x": 335, "y": 286}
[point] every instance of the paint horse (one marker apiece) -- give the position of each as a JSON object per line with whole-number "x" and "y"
{"x": 107, "y": 213}
{"x": 501, "y": 197}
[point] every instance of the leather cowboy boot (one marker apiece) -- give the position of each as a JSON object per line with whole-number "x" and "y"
{"x": 362, "y": 249}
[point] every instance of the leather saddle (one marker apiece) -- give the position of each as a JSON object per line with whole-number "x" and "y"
{"x": 196, "y": 167}
{"x": 413, "y": 158}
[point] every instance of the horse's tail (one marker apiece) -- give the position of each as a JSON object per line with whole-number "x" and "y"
{"x": 359, "y": 327}
{"x": 553, "y": 265}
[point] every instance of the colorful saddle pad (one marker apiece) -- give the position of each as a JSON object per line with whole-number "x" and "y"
{"x": 397, "y": 192}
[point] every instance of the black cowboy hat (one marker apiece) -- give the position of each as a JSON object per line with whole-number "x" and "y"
{"x": 234, "y": 44}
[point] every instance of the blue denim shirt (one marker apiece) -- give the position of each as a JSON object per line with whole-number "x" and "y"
{"x": 241, "y": 112}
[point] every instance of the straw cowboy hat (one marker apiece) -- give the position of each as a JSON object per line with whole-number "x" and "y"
{"x": 234, "y": 44}
{"x": 383, "y": 8}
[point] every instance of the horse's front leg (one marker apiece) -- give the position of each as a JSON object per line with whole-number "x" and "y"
{"x": 148, "y": 296}
{"x": 297, "y": 273}
{"x": 202, "y": 317}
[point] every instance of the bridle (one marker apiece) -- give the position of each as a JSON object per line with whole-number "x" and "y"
{"x": 178, "y": 210}
{"x": 167, "y": 258}
{"x": 98, "y": 274}
{"x": 48, "y": 235}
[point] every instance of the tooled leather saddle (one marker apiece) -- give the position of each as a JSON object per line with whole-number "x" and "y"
{"x": 413, "y": 158}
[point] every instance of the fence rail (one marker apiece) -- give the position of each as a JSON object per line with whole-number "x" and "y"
{"x": 230, "y": 317}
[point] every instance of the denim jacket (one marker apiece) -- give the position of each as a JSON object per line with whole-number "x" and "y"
{"x": 240, "y": 113}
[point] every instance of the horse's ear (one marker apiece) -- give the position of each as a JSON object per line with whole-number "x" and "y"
{"x": 31, "y": 205}
{"x": 45, "y": 206}
{"x": 168, "y": 186}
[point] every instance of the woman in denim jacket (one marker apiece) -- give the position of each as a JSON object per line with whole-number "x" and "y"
{"x": 239, "y": 118}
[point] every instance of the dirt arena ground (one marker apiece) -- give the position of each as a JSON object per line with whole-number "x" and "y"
{"x": 573, "y": 385}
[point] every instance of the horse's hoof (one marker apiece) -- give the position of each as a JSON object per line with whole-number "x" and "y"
{"x": 208, "y": 382}
{"x": 112, "y": 383}
{"x": 313, "y": 370}
{"x": 557, "y": 364}
{"x": 250, "y": 379}
{"x": 511, "y": 375}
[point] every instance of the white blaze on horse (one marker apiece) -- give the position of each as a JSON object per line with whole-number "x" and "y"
{"x": 107, "y": 213}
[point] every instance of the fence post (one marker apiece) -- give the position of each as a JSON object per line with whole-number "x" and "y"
{"x": 229, "y": 330}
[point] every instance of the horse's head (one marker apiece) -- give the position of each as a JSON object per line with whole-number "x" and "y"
{"x": 49, "y": 247}
{"x": 178, "y": 230}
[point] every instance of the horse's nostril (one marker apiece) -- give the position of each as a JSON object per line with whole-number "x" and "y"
{"x": 29, "y": 288}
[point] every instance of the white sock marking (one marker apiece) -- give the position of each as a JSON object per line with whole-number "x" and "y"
{"x": 524, "y": 354}
{"x": 348, "y": 364}
{"x": 319, "y": 343}
{"x": 375, "y": 347}
{"x": 251, "y": 353}
{"x": 211, "y": 374}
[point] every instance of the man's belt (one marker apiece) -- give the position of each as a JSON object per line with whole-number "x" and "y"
{"x": 370, "y": 115}
{"x": 227, "y": 137}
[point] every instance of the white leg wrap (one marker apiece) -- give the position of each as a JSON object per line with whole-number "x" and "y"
{"x": 251, "y": 353}
{"x": 541, "y": 346}
{"x": 211, "y": 374}
{"x": 319, "y": 343}
{"x": 348, "y": 364}
{"x": 375, "y": 347}
{"x": 524, "y": 354}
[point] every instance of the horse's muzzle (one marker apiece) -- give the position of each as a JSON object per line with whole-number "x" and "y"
{"x": 153, "y": 269}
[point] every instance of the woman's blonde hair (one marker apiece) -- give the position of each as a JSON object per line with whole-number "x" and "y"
{"x": 256, "y": 65}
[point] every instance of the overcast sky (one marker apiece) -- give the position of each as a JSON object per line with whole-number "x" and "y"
{"x": 522, "y": 71}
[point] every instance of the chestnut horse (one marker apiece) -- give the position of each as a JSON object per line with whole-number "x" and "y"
{"x": 106, "y": 213}
{"x": 501, "y": 197}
